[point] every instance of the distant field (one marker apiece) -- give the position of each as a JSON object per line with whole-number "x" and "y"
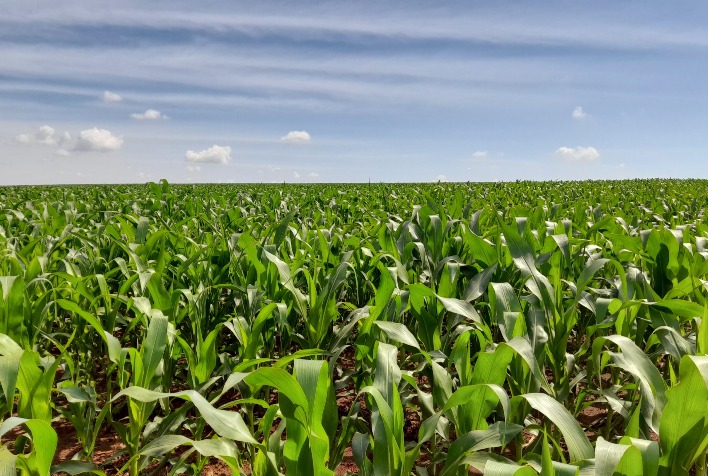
{"x": 383, "y": 329}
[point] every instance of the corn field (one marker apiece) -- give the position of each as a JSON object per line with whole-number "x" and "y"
{"x": 552, "y": 328}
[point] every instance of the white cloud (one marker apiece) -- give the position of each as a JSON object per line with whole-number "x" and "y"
{"x": 98, "y": 139}
{"x": 194, "y": 168}
{"x": 46, "y": 136}
{"x": 214, "y": 155}
{"x": 295, "y": 137}
{"x": 62, "y": 152}
{"x": 441, "y": 178}
{"x": 148, "y": 115}
{"x": 273, "y": 168}
{"x": 23, "y": 139}
{"x": 296, "y": 174}
{"x": 43, "y": 136}
{"x": 313, "y": 174}
{"x": 480, "y": 154}
{"x": 584, "y": 154}
{"x": 578, "y": 113}
{"x": 108, "y": 96}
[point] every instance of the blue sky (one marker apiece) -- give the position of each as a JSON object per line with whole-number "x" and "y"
{"x": 95, "y": 92}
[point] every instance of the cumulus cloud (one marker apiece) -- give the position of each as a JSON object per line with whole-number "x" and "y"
{"x": 148, "y": 115}
{"x": 214, "y": 155}
{"x": 109, "y": 96}
{"x": 45, "y": 135}
{"x": 480, "y": 154}
{"x": 295, "y": 137}
{"x": 441, "y": 178}
{"x": 61, "y": 152}
{"x": 578, "y": 113}
{"x": 99, "y": 140}
{"x": 580, "y": 154}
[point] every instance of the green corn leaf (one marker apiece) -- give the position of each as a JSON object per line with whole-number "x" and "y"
{"x": 633, "y": 360}
{"x": 282, "y": 381}
{"x": 684, "y": 421}
{"x": 112, "y": 343}
{"x": 218, "y": 447}
{"x": 8, "y": 462}
{"x": 224, "y": 423}
{"x": 579, "y": 446}
{"x": 477, "y": 286}
{"x": 207, "y": 356}
{"x": 461, "y": 307}
{"x": 498, "y": 434}
{"x": 151, "y": 352}
{"x": 494, "y": 468}
{"x": 649, "y": 451}
{"x": 398, "y": 332}
{"x": 35, "y": 387}
{"x": 622, "y": 460}
{"x": 44, "y": 444}
{"x": 12, "y": 300}
{"x": 73, "y": 468}
{"x": 9, "y": 370}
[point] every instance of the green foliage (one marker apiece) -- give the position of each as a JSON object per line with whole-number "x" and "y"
{"x": 511, "y": 328}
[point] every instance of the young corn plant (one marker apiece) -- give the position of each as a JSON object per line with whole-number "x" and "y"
{"x": 307, "y": 404}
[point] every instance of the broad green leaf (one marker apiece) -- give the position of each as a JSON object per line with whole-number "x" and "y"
{"x": 225, "y": 423}
{"x": 623, "y": 460}
{"x": 498, "y": 434}
{"x": 579, "y": 446}
{"x": 398, "y": 332}
{"x": 684, "y": 421}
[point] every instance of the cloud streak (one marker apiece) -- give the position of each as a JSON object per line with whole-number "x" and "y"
{"x": 515, "y": 25}
{"x": 148, "y": 115}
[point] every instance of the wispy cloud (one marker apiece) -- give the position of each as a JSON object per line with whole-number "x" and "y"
{"x": 148, "y": 115}
{"x": 515, "y": 25}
